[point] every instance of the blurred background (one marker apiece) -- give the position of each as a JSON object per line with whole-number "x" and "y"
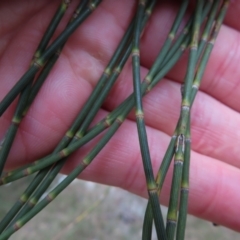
{"x": 91, "y": 211}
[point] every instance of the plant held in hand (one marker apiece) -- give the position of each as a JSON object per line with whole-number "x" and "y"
{"x": 202, "y": 21}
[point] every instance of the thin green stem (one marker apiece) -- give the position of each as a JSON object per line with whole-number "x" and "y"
{"x": 182, "y": 127}
{"x": 38, "y": 63}
{"x": 129, "y": 103}
{"x": 50, "y": 172}
{"x": 177, "y": 49}
{"x": 57, "y": 190}
{"x": 208, "y": 26}
{"x": 196, "y": 83}
{"x": 168, "y": 42}
{"x": 185, "y": 177}
{"x": 184, "y": 39}
{"x": 181, "y": 146}
{"x": 55, "y": 169}
{"x": 51, "y": 62}
{"x": 170, "y": 151}
{"x": 31, "y": 202}
{"x": 142, "y": 134}
{"x": 11, "y": 133}
{"x": 21, "y": 201}
{"x": 109, "y": 77}
{"x": 184, "y": 187}
{"x": 18, "y": 87}
{"x": 34, "y": 166}
{"x": 67, "y": 32}
{"x": 114, "y": 74}
{"x": 48, "y": 160}
{"x": 51, "y": 28}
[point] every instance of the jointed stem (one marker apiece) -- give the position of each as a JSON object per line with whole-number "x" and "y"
{"x": 170, "y": 151}
{"x": 51, "y": 28}
{"x": 181, "y": 150}
{"x": 57, "y": 190}
{"x": 128, "y": 104}
{"x": 180, "y": 142}
{"x": 22, "y": 103}
{"x": 185, "y": 177}
{"x": 151, "y": 185}
{"x": 184, "y": 39}
{"x": 38, "y": 63}
{"x": 19, "y": 113}
{"x": 184, "y": 187}
{"x": 50, "y": 172}
{"x": 168, "y": 42}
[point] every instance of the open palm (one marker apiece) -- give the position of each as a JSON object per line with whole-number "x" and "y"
{"x": 215, "y": 174}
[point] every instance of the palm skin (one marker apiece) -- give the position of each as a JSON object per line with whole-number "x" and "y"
{"x": 215, "y": 173}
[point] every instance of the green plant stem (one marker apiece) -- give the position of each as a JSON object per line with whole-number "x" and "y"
{"x": 109, "y": 76}
{"x": 129, "y": 102}
{"x": 16, "y": 120}
{"x": 21, "y": 201}
{"x": 51, "y": 28}
{"x": 168, "y": 42}
{"x": 54, "y": 170}
{"x": 182, "y": 127}
{"x": 142, "y": 134}
{"x": 57, "y": 190}
{"x": 46, "y": 37}
{"x": 11, "y": 133}
{"x": 208, "y": 26}
{"x": 147, "y": 224}
{"x": 185, "y": 177}
{"x": 38, "y": 63}
{"x": 51, "y": 62}
{"x": 130, "y": 99}
{"x": 44, "y": 174}
{"x": 48, "y": 174}
{"x": 48, "y": 160}
{"x": 170, "y": 151}
{"x": 184, "y": 39}
{"x": 184, "y": 187}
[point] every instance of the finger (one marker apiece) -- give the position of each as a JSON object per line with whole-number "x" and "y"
{"x": 214, "y": 126}
{"x": 67, "y": 82}
{"x": 50, "y": 115}
{"x": 231, "y": 18}
{"x": 220, "y": 79}
{"x": 221, "y": 76}
{"x": 16, "y": 15}
{"x": 232, "y": 15}
{"x": 214, "y": 191}
{"x": 90, "y": 69}
{"x": 215, "y": 69}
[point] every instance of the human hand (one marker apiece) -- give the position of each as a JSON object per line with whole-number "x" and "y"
{"x": 215, "y": 166}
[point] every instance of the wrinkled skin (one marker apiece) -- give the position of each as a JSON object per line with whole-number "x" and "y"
{"x": 215, "y": 173}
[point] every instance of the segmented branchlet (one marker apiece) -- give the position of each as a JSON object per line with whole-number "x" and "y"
{"x": 14, "y": 213}
{"x": 206, "y": 44}
{"x": 179, "y": 44}
{"x": 25, "y": 94}
{"x": 40, "y": 61}
{"x": 142, "y": 134}
{"x": 54, "y": 170}
{"x": 29, "y": 93}
{"x": 50, "y": 172}
{"x": 79, "y": 133}
{"x": 180, "y": 150}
